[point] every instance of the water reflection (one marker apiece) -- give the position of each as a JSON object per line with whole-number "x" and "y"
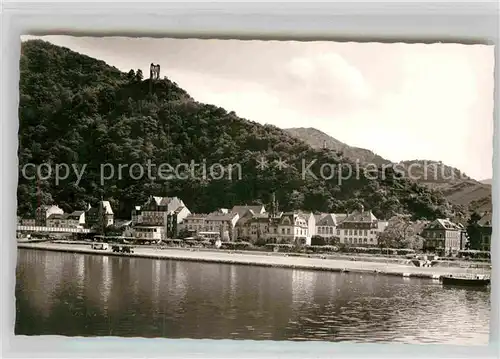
{"x": 84, "y": 295}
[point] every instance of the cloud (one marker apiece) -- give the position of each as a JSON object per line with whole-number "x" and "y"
{"x": 324, "y": 83}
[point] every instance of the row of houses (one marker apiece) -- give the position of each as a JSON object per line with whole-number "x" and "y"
{"x": 253, "y": 223}
{"x": 53, "y": 216}
{"x": 168, "y": 217}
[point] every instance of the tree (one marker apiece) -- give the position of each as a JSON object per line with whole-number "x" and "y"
{"x": 184, "y": 233}
{"x": 138, "y": 75}
{"x": 296, "y": 200}
{"x": 474, "y": 231}
{"x": 397, "y": 233}
{"x": 131, "y": 74}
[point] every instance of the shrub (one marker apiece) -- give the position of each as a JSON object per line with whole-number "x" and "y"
{"x": 281, "y": 247}
{"x": 474, "y": 254}
{"x": 323, "y": 249}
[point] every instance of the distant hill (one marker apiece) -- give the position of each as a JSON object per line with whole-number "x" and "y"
{"x": 487, "y": 181}
{"x": 317, "y": 139}
{"x": 457, "y": 187}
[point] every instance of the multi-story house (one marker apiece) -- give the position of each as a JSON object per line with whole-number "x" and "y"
{"x": 58, "y": 220}
{"x": 485, "y": 229}
{"x": 359, "y": 228}
{"x": 28, "y": 222}
{"x": 76, "y": 219}
{"x": 101, "y": 216}
{"x": 136, "y": 215}
{"x": 43, "y": 212}
{"x": 220, "y": 224}
{"x": 159, "y": 217}
{"x": 326, "y": 225}
{"x": 294, "y": 228}
{"x": 148, "y": 232}
{"x": 443, "y": 237}
{"x": 256, "y": 227}
{"x": 194, "y": 223}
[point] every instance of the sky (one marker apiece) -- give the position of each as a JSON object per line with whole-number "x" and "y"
{"x": 402, "y": 101}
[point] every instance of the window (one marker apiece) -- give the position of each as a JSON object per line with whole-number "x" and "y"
{"x": 355, "y": 232}
{"x": 331, "y": 230}
{"x": 338, "y": 232}
{"x": 366, "y": 232}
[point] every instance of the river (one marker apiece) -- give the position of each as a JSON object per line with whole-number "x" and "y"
{"x": 92, "y": 295}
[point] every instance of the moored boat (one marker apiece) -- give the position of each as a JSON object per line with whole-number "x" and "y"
{"x": 466, "y": 281}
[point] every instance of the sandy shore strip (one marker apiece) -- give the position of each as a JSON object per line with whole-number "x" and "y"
{"x": 333, "y": 265}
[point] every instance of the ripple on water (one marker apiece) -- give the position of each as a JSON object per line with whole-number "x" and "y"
{"x": 243, "y": 302}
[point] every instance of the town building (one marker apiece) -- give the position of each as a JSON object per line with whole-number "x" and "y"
{"x": 360, "y": 228}
{"x": 148, "y": 232}
{"x": 326, "y": 225}
{"x": 257, "y": 227}
{"x": 28, "y": 222}
{"x": 443, "y": 237}
{"x": 76, "y": 219}
{"x": 294, "y": 228}
{"x": 101, "y": 216}
{"x": 159, "y": 218}
{"x": 291, "y": 227}
{"x": 43, "y": 212}
{"x": 194, "y": 223}
{"x": 243, "y": 210}
{"x": 136, "y": 216}
{"x": 220, "y": 225}
{"x": 485, "y": 230}
{"x": 58, "y": 220}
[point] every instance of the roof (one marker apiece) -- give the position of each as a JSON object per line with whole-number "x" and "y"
{"x": 122, "y": 222}
{"x": 172, "y": 203}
{"x": 107, "y": 207}
{"x": 485, "y": 220}
{"x": 318, "y": 216}
{"x": 241, "y": 210}
{"x": 304, "y": 215}
{"x": 179, "y": 209}
{"x": 295, "y": 214}
{"x": 443, "y": 224}
{"x": 196, "y": 216}
{"x": 358, "y": 216}
{"x": 47, "y": 206}
{"x": 340, "y": 217}
{"x": 221, "y": 216}
{"x": 75, "y": 214}
{"x": 58, "y": 216}
{"x": 327, "y": 219}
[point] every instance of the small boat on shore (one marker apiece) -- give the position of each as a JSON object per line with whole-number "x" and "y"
{"x": 466, "y": 281}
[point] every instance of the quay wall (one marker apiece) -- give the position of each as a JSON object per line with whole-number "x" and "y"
{"x": 266, "y": 260}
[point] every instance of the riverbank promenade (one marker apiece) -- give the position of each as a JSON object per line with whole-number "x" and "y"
{"x": 267, "y": 260}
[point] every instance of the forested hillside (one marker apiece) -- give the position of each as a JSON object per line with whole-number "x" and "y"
{"x": 459, "y": 189}
{"x": 77, "y": 110}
